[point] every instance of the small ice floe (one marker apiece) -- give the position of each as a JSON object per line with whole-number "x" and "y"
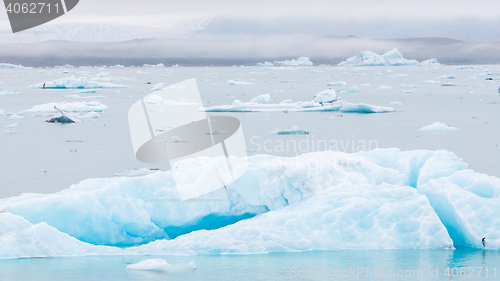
{"x": 407, "y": 91}
{"x": 294, "y": 130}
{"x": 75, "y": 106}
{"x": 233, "y": 82}
{"x": 353, "y": 89}
{"x": 337, "y": 83}
{"x": 7, "y": 132}
{"x": 91, "y": 115}
{"x": 16, "y": 117}
{"x": 449, "y": 84}
{"x": 438, "y": 126}
{"x": 2, "y": 113}
{"x": 11, "y": 125}
{"x": 75, "y": 83}
{"x": 162, "y": 265}
{"x": 451, "y": 76}
{"x": 8, "y": 93}
{"x": 384, "y": 87}
{"x": 430, "y": 82}
{"x": 395, "y": 103}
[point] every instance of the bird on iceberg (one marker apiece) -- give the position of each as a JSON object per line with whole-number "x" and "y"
{"x": 484, "y": 243}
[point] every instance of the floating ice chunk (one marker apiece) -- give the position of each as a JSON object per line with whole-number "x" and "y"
{"x": 92, "y": 115}
{"x": 262, "y": 99}
{"x": 337, "y": 83}
{"x": 326, "y": 96}
{"x": 16, "y": 117}
{"x": 233, "y": 82}
{"x": 353, "y": 89}
{"x": 364, "y": 108}
{"x": 294, "y": 130}
{"x": 384, "y": 87}
{"x": 162, "y": 265}
{"x": 75, "y": 83}
{"x": 449, "y": 84}
{"x": 8, "y": 132}
{"x": 438, "y": 126}
{"x": 430, "y": 62}
{"x": 301, "y": 61}
{"x": 65, "y": 66}
{"x": 265, "y": 64}
{"x": 158, "y": 86}
{"x": 8, "y": 93}
{"x": 407, "y": 91}
{"x": 450, "y": 76}
{"x": 8, "y": 65}
{"x": 69, "y": 107}
{"x": 395, "y": 103}
{"x": 2, "y": 112}
{"x": 11, "y": 125}
{"x": 368, "y": 58}
{"x": 430, "y": 82}
{"x": 467, "y": 67}
{"x": 154, "y": 65}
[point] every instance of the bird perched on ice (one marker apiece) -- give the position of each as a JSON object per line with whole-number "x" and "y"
{"x": 484, "y": 243}
{"x": 326, "y": 96}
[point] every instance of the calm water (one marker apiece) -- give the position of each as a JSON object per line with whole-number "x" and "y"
{"x": 99, "y": 148}
{"x": 415, "y": 264}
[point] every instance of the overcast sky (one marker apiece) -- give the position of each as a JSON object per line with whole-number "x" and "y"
{"x": 466, "y": 20}
{"x": 355, "y": 9}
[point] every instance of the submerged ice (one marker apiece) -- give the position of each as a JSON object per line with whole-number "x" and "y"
{"x": 381, "y": 199}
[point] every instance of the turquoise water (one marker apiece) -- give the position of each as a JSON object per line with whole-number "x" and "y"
{"x": 356, "y": 265}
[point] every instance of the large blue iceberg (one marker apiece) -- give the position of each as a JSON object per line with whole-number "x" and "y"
{"x": 381, "y": 199}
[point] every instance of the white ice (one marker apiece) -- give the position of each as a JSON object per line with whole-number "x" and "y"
{"x": 162, "y": 265}
{"x": 233, "y": 82}
{"x": 75, "y": 83}
{"x": 438, "y": 126}
{"x": 8, "y": 93}
{"x": 75, "y": 106}
{"x": 368, "y": 58}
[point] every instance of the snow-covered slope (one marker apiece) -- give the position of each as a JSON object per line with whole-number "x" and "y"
{"x": 381, "y": 199}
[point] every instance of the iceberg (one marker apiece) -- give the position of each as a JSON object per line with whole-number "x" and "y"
{"x": 75, "y": 83}
{"x": 380, "y": 199}
{"x": 8, "y": 65}
{"x": 16, "y": 117}
{"x": 301, "y": 61}
{"x": 430, "y": 62}
{"x": 353, "y": 89}
{"x": 262, "y": 99}
{"x": 326, "y": 96}
{"x": 368, "y": 58}
{"x": 384, "y": 87}
{"x": 75, "y": 106}
{"x": 438, "y": 126}
{"x": 364, "y": 108}
{"x": 449, "y": 84}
